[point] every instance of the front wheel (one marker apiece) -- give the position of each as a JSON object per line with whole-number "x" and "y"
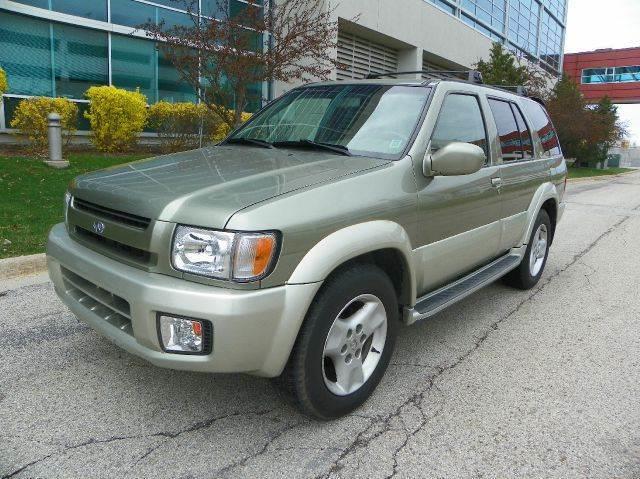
{"x": 527, "y": 275}
{"x": 345, "y": 343}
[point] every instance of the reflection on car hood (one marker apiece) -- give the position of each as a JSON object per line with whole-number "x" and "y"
{"x": 206, "y": 186}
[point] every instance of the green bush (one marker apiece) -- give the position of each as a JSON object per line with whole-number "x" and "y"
{"x": 30, "y": 119}
{"x": 116, "y": 116}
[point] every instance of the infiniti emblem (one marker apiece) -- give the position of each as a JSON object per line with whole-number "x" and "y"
{"x": 98, "y": 227}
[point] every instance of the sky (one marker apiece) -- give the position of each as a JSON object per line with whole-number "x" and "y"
{"x": 593, "y": 24}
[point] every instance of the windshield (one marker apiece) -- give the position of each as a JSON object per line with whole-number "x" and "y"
{"x": 372, "y": 120}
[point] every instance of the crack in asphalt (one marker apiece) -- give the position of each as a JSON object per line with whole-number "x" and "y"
{"x": 245, "y": 460}
{"x": 418, "y": 396}
{"x": 169, "y": 435}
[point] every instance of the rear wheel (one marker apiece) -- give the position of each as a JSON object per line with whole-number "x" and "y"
{"x": 345, "y": 343}
{"x": 527, "y": 275}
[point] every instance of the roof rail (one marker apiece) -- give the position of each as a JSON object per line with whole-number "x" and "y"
{"x": 517, "y": 89}
{"x": 472, "y": 76}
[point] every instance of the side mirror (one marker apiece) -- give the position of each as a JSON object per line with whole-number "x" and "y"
{"x": 454, "y": 159}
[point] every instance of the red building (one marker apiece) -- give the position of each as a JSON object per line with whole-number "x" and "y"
{"x": 615, "y": 73}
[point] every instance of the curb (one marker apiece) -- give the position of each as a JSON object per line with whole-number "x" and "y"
{"x": 600, "y": 177}
{"x": 22, "y": 266}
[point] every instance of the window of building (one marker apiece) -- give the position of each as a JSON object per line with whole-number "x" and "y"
{"x": 94, "y": 9}
{"x": 80, "y": 59}
{"x": 523, "y": 25}
{"x": 551, "y": 33}
{"x": 35, "y": 3}
{"x": 542, "y": 124}
{"x": 25, "y": 54}
{"x": 131, "y": 13}
{"x": 508, "y": 131}
{"x": 611, "y": 75}
{"x": 133, "y": 65}
{"x": 489, "y": 12}
{"x": 460, "y": 119}
{"x": 171, "y": 87}
{"x": 444, "y": 6}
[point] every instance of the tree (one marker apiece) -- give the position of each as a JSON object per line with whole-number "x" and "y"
{"x": 222, "y": 58}
{"x": 585, "y": 132}
{"x": 570, "y": 116}
{"x": 608, "y": 127}
{"x": 503, "y": 68}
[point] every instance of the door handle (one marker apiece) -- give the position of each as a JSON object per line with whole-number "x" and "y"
{"x": 496, "y": 182}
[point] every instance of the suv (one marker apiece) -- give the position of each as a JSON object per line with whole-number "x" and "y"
{"x": 297, "y": 246}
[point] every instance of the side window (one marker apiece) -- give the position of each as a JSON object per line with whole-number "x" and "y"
{"x": 525, "y": 134}
{"x": 508, "y": 131}
{"x": 542, "y": 124}
{"x": 460, "y": 119}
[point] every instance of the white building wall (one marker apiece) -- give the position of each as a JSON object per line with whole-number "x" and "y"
{"x": 416, "y": 28}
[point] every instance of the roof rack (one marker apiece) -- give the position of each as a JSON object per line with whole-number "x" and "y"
{"x": 472, "y": 76}
{"x": 517, "y": 89}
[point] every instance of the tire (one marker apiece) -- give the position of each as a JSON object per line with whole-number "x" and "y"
{"x": 529, "y": 272}
{"x": 321, "y": 375}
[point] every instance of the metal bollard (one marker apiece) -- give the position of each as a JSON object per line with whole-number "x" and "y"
{"x": 55, "y": 142}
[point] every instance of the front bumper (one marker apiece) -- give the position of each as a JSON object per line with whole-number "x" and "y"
{"x": 253, "y": 331}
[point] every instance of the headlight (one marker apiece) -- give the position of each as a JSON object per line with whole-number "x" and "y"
{"x": 68, "y": 201}
{"x": 223, "y": 254}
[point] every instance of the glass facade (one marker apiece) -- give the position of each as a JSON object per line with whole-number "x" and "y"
{"x": 43, "y": 57}
{"x": 532, "y": 28}
{"x": 611, "y": 75}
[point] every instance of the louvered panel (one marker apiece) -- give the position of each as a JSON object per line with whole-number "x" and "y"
{"x": 358, "y": 57}
{"x": 430, "y": 66}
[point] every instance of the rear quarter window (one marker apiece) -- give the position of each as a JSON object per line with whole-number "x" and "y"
{"x": 542, "y": 124}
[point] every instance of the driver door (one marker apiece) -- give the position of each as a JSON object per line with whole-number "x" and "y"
{"x": 458, "y": 216}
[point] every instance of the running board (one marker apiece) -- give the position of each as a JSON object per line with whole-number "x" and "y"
{"x": 440, "y": 299}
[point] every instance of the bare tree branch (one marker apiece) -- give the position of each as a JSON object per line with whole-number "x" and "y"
{"x": 221, "y": 58}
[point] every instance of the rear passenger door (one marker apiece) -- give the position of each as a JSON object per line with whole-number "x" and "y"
{"x": 521, "y": 173}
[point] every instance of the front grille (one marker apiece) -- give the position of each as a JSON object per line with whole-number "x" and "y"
{"x": 117, "y": 248}
{"x": 111, "y": 214}
{"x": 110, "y": 307}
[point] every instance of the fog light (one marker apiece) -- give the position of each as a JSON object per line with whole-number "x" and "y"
{"x": 181, "y": 335}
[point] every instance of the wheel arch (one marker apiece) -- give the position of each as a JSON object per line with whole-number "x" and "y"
{"x": 545, "y": 198}
{"x": 383, "y": 243}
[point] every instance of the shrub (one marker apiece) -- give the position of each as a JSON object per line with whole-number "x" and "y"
{"x": 116, "y": 116}
{"x": 30, "y": 119}
{"x": 178, "y": 125}
{"x": 4, "y": 85}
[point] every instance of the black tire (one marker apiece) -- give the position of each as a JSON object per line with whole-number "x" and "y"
{"x": 303, "y": 377}
{"x": 522, "y": 277}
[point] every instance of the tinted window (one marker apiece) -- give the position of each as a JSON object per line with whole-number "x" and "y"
{"x": 541, "y": 123}
{"x": 525, "y": 134}
{"x": 508, "y": 131}
{"x": 460, "y": 119}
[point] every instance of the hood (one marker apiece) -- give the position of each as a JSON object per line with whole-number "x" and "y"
{"x": 205, "y": 187}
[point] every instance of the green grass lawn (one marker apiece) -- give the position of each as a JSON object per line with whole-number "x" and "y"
{"x": 575, "y": 172}
{"x": 32, "y": 195}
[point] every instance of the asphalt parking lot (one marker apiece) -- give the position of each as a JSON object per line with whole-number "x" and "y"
{"x": 544, "y": 383}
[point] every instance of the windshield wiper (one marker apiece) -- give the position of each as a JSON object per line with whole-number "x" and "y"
{"x": 341, "y": 149}
{"x": 250, "y": 141}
